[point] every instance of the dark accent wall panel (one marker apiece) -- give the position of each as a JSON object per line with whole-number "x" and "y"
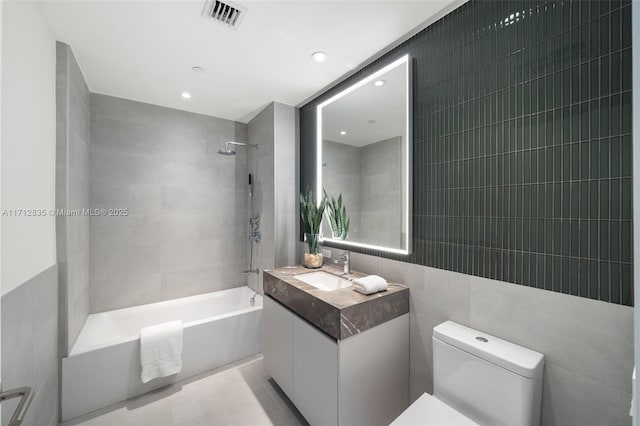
{"x": 522, "y": 146}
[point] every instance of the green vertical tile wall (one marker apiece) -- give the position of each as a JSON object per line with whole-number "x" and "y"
{"x": 522, "y": 144}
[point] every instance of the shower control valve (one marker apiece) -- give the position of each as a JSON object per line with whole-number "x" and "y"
{"x": 255, "y": 235}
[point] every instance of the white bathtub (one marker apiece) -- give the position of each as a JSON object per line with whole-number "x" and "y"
{"x": 104, "y": 365}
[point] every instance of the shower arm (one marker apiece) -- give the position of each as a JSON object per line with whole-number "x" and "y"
{"x": 226, "y": 145}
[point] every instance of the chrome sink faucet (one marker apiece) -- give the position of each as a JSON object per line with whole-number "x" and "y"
{"x": 345, "y": 259}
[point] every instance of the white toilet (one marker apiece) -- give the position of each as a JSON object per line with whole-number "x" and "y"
{"x": 478, "y": 379}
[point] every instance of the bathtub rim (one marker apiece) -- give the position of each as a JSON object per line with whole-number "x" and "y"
{"x": 131, "y": 338}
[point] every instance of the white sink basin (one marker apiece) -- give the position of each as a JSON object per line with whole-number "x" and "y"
{"x": 324, "y": 281}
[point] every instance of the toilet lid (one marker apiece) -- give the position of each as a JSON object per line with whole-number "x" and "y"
{"x": 430, "y": 411}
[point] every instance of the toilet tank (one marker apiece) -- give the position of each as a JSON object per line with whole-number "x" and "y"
{"x": 490, "y": 380}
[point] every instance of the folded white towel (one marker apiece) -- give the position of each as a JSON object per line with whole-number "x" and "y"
{"x": 161, "y": 350}
{"x": 370, "y": 284}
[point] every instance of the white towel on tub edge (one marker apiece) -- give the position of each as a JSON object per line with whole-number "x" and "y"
{"x": 161, "y": 350}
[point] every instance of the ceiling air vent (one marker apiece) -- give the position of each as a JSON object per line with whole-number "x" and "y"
{"x": 227, "y": 13}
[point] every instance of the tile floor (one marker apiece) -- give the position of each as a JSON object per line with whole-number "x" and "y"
{"x": 240, "y": 394}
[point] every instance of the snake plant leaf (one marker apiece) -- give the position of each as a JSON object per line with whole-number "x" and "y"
{"x": 310, "y": 213}
{"x": 337, "y": 215}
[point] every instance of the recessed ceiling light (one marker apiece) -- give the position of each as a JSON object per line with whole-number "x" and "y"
{"x": 185, "y": 95}
{"x": 379, "y": 83}
{"x": 199, "y": 70}
{"x": 342, "y": 132}
{"x": 319, "y": 56}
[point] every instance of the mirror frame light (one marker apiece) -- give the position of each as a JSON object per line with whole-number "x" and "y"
{"x": 408, "y": 190}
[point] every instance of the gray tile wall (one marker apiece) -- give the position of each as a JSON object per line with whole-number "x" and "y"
{"x": 261, "y": 131}
{"x": 187, "y": 206}
{"x": 285, "y": 190}
{"x": 381, "y": 193}
{"x": 72, "y": 193}
{"x": 30, "y": 346}
{"x": 367, "y": 178}
{"x": 588, "y": 344}
{"x": 275, "y": 200}
{"x": 341, "y": 175}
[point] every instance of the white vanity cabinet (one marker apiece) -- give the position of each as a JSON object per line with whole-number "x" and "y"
{"x": 278, "y": 341}
{"x": 315, "y": 374}
{"x": 361, "y": 380}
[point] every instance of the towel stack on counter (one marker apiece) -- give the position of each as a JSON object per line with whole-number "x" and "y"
{"x": 370, "y": 284}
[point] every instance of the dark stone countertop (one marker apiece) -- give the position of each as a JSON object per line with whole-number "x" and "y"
{"x": 339, "y": 313}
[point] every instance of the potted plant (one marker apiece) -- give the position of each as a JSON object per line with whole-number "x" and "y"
{"x": 337, "y": 215}
{"x": 311, "y": 215}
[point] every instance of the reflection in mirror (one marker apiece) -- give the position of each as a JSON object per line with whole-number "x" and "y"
{"x": 364, "y": 147}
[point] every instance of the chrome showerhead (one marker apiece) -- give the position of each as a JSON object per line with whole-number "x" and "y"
{"x": 229, "y": 151}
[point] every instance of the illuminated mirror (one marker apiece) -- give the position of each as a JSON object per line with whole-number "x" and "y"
{"x": 364, "y": 144}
